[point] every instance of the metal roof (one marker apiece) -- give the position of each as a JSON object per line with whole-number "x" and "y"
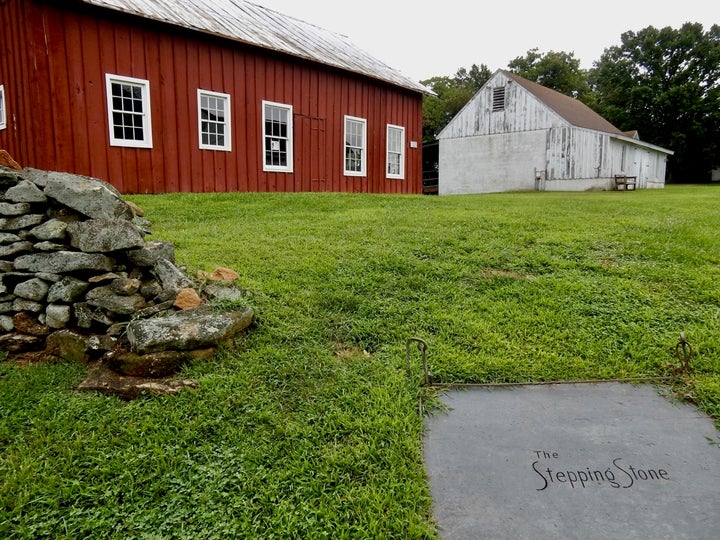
{"x": 253, "y": 24}
{"x": 578, "y": 114}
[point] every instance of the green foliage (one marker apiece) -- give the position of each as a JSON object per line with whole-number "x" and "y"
{"x": 451, "y": 95}
{"x": 309, "y": 428}
{"x": 558, "y": 71}
{"x": 666, "y": 84}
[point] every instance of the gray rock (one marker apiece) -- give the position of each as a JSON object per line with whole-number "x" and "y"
{"x": 53, "y": 229}
{"x": 14, "y": 249}
{"x": 89, "y": 196}
{"x": 9, "y": 177}
{"x": 18, "y": 209}
{"x": 6, "y": 307}
{"x": 152, "y": 289}
{"x": 125, "y": 286}
{"x": 6, "y": 323}
{"x": 25, "y": 192}
{"x": 109, "y": 276}
{"x": 186, "y": 330}
{"x": 101, "y": 343}
{"x": 33, "y": 289}
{"x": 22, "y": 304}
{"x": 105, "y": 298}
{"x": 62, "y": 262}
{"x": 8, "y": 238}
{"x": 84, "y": 315}
{"x": 46, "y": 276}
{"x": 36, "y": 176}
{"x": 49, "y": 246}
{"x": 57, "y": 315}
{"x": 68, "y": 289}
{"x": 170, "y": 277}
{"x": 221, "y": 293}
{"x": 103, "y": 236}
{"x": 151, "y": 253}
{"x": 21, "y": 222}
{"x": 6, "y": 266}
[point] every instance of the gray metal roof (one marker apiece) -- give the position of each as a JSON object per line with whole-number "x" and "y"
{"x": 578, "y": 114}
{"x": 256, "y": 25}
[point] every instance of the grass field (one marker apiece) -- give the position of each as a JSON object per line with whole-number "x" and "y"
{"x": 309, "y": 428}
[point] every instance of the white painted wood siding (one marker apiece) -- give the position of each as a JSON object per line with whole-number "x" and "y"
{"x": 574, "y": 153}
{"x": 523, "y": 112}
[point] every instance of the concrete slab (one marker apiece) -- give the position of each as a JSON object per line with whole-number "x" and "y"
{"x": 577, "y": 461}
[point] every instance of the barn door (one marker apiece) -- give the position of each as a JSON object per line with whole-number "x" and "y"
{"x": 318, "y": 162}
{"x": 642, "y": 164}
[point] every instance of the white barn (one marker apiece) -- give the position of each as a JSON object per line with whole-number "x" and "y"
{"x": 516, "y": 135}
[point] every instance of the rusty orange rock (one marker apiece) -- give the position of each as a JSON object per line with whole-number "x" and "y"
{"x": 187, "y": 299}
{"x": 224, "y": 274}
{"x": 6, "y": 160}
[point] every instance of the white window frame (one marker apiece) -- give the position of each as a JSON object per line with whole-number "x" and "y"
{"x": 145, "y": 114}
{"x": 272, "y": 139}
{"x": 391, "y": 152}
{"x": 3, "y": 108}
{"x": 350, "y": 120}
{"x": 226, "y": 122}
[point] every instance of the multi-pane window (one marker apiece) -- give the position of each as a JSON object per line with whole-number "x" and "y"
{"x": 277, "y": 137}
{"x": 395, "y": 152}
{"x": 214, "y": 120}
{"x": 129, "y": 111}
{"x": 498, "y": 99}
{"x": 355, "y": 146}
{"x": 3, "y": 113}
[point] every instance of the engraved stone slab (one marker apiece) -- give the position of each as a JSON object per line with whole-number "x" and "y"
{"x": 577, "y": 461}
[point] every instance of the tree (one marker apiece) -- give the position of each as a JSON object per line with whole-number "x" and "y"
{"x": 451, "y": 95}
{"x": 666, "y": 84}
{"x": 558, "y": 71}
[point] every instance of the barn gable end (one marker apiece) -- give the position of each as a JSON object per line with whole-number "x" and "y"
{"x": 515, "y": 135}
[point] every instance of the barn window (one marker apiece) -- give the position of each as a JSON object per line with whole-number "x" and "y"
{"x": 498, "y": 99}
{"x": 129, "y": 111}
{"x": 355, "y": 146}
{"x": 214, "y": 120}
{"x": 278, "y": 136}
{"x": 3, "y": 114}
{"x": 395, "y": 152}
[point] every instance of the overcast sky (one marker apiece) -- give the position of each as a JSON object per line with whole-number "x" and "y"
{"x": 423, "y": 39}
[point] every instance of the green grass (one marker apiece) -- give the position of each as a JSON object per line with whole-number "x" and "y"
{"x": 309, "y": 428}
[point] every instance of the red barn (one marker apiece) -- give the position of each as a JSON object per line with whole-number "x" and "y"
{"x": 160, "y": 96}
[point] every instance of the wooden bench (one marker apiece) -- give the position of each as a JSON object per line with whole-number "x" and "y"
{"x": 624, "y": 182}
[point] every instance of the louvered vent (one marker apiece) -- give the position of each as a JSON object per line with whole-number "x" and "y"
{"x": 498, "y": 102}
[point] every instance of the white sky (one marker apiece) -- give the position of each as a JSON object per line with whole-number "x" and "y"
{"x": 423, "y": 39}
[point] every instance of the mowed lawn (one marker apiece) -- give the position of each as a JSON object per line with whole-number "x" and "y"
{"x": 309, "y": 427}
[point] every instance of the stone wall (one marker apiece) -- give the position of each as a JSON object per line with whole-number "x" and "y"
{"x": 79, "y": 281}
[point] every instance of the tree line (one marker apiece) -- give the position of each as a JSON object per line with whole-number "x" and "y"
{"x": 664, "y": 83}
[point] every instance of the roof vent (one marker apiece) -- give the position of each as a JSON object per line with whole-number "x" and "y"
{"x": 498, "y": 99}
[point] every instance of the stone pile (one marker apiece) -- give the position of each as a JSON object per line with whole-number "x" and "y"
{"x": 78, "y": 280}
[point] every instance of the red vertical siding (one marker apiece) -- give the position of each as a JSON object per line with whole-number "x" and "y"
{"x": 54, "y": 65}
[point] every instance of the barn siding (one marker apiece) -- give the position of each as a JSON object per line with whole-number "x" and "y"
{"x": 523, "y": 112}
{"x": 78, "y": 47}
